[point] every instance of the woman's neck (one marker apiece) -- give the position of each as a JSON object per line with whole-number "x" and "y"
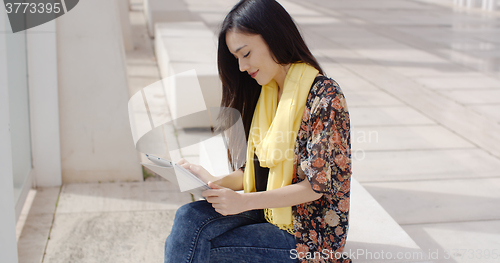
{"x": 280, "y": 79}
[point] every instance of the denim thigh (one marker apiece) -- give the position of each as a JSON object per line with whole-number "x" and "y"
{"x": 196, "y": 224}
{"x": 261, "y": 242}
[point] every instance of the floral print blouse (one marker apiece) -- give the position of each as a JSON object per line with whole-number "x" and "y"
{"x": 323, "y": 156}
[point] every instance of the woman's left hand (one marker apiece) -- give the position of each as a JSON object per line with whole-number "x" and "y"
{"x": 224, "y": 200}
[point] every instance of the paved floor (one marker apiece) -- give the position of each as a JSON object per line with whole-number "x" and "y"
{"x": 422, "y": 81}
{"x": 425, "y": 81}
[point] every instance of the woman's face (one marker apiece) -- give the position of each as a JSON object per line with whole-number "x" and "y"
{"x": 253, "y": 56}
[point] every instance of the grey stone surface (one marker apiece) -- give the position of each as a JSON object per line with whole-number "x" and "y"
{"x": 439, "y": 201}
{"x": 477, "y": 97}
{"x": 142, "y": 70}
{"x": 369, "y": 98}
{"x": 461, "y": 242}
{"x": 405, "y": 138}
{"x": 424, "y": 165}
{"x": 38, "y": 221}
{"x": 137, "y": 236}
{"x": 386, "y": 116}
{"x": 34, "y": 239}
{"x": 367, "y": 234}
{"x": 460, "y": 82}
{"x": 120, "y": 197}
{"x": 490, "y": 111}
{"x": 348, "y": 83}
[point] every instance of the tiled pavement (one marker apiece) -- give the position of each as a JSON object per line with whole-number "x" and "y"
{"x": 422, "y": 82}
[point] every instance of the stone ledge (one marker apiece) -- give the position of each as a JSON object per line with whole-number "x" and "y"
{"x": 184, "y": 46}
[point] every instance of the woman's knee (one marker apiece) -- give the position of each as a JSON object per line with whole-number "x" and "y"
{"x": 195, "y": 212}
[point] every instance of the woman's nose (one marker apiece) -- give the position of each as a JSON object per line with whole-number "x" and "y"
{"x": 243, "y": 65}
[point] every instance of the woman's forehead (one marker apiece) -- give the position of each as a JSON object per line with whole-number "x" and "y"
{"x": 236, "y": 40}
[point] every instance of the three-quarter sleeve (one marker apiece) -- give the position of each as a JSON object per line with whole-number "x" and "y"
{"x": 327, "y": 160}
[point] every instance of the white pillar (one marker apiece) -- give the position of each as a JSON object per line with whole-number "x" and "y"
{"x": 492, "y": 5}
{"x": 123, "y": 9}
{"x": 8, "y": 245}
{"x": 44, "y": 104}
{"x": 96, "y": 140}
{"x": 489, "y": 5}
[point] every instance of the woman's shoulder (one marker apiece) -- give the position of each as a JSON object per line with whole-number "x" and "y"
{"x": 324, "y": 80}
{"x": 323, "y": 88}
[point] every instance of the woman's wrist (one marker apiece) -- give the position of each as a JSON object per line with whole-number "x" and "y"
{"x": 248, "y": 201}
{"x": 289, "y": 195}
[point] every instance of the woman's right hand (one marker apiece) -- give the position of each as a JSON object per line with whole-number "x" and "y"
{"x": 197, "y": 170}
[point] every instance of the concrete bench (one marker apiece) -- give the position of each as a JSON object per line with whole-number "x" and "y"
{"x": 184, "y": 46}
{"x": 158, "y": 11}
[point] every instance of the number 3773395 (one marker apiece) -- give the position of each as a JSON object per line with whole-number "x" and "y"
{"x": 33, "y": 8}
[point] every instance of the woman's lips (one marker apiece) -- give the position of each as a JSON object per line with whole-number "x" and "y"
{"x": 254, "y": 74}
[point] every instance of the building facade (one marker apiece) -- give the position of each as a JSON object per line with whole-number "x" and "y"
{"x": 63, "y": 107}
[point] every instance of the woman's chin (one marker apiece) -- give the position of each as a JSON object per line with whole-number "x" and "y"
{"x": 263, "y": 82}
{"x": 260, "y": 82}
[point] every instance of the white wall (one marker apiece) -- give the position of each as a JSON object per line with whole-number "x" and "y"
{"x": 44, "y": 105}
{"x": 96, "y": 140}
{"x": 8, "y": 245}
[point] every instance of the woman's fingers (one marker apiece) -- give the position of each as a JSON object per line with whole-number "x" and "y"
{"x": 214, "y": 185}
{"x": 197, "y": 170}
{"x": 186, "y": 166}
{"x": 212, "y": 199}
{"x": 225, "y": 201}
{"x": 182, "y": 161}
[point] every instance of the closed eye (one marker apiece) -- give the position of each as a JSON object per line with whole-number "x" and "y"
{"x": 247, "y": 54}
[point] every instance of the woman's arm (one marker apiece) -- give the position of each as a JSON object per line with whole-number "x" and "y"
{"x": 233, "y": 181}
{"x": 228, "y": 202}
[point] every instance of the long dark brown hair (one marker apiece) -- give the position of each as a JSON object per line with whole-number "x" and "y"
{"x": 239, "y": 91}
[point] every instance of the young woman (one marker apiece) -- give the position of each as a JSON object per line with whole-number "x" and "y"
{"x": 296, "y": 178}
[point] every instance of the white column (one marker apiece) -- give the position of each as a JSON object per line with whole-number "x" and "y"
{"x": 44, "y": 104}
{"x": 492, "y": 5}
{"x": 96, "y": 140}
{"x": 123, "y": 9}
{"x": 8, "y": 245}
{"x": 489, "y": 5}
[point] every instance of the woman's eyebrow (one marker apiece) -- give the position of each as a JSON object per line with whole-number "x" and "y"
{"x": 238, "y": 49}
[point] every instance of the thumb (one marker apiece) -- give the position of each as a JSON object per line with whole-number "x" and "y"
{"x": 214, "y": 186}
{"x": 194, "y": 168}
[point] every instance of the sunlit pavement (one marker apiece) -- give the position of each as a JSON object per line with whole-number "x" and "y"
{"x": 422, "y": 82}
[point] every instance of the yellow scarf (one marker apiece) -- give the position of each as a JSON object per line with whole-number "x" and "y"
{"x": 273, "y": 133}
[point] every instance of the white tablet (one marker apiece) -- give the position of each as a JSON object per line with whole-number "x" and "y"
{"x": 184, "y": 177}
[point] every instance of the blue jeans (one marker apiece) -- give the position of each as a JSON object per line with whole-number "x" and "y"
{"x": 200, "y": 234}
